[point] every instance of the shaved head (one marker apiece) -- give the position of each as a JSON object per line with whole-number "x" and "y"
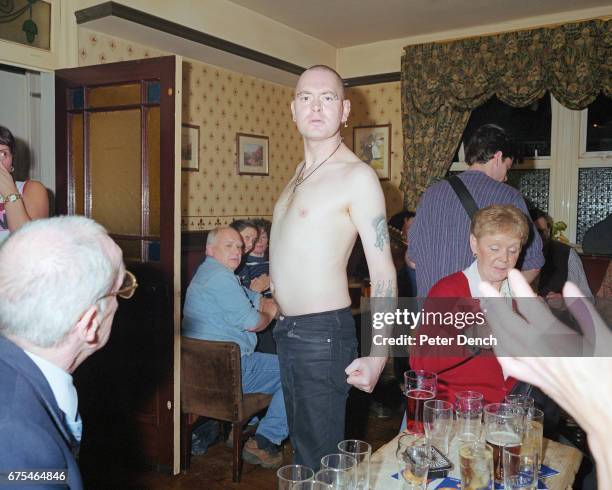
{"x": 329, "y": 70}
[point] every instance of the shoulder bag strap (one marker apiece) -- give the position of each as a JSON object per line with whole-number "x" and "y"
{"x": 467, "y": 201}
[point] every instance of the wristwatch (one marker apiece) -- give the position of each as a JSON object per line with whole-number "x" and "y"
{"x": 10, "y": 198}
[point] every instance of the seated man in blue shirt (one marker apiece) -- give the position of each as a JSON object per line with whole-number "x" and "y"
{"x": 217, "y": 307}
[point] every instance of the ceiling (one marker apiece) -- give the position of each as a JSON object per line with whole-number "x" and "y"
{"x": 343, "y": 23}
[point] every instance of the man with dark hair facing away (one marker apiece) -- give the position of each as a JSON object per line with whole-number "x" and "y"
{"x": 438, "y": 240}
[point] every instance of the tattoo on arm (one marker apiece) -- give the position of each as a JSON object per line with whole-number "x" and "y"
{"x": 391, "y": 292}
{"x": 382, "y": 232}
{"x": 379, "y": 289}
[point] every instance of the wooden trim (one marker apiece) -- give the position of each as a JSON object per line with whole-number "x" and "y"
{"x": 164, "y": 273}
{"x": 150, "y": 238}
{"x": 395, "y": 76}
{"x": 113, "y": 9}
{"x": 144, "y": 172}
{"x": 62, "y": 158}
{"x": 87, "y": 207}
{"x": 111, "y": 108}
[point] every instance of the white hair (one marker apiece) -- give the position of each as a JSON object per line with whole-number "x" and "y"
{"x": 212, "y": 236}
{"x": 51, "y": 271}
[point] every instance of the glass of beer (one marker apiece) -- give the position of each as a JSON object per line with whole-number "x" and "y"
{"x": 420, "y": 387}
{"x": 476, "y": 466}
{"x": 503, "y": 429}
{"x": 438, "y": 422}
{"x": 520, "y": 468}
{"x": 468, "y": 409}
{"x": 413, "y": 458}
{"x": 534, "y": 431}
{"x": 291, "y": 475}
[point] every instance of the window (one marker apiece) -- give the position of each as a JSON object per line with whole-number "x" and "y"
{"x": 571, "y": 178}
{"x": 597, "y": 126}
{"x": 530, "y": 126}
{"x": 594, "y": 198}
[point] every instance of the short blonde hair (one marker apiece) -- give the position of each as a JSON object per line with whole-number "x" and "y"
{"x": 500, "y": 219}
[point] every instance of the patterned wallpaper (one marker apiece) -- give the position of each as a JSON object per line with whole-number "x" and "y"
{"x": 95, "y": 48}
{"x": 223, "y": 103}
{"x": 374, "y": 105}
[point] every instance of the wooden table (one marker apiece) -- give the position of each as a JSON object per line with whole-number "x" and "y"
{"x": 560, "y": 457}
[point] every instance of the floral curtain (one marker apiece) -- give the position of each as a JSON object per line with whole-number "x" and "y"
{"x": 443, "y": 82}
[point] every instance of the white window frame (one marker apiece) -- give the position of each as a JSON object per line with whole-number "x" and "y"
{"x": 567, "y": 156}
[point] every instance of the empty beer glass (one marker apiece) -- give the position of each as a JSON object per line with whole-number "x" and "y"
{"x": 438, "y": 422}
{"x": 520, "y": 400}
{"x": 336, "y": 478}
{"x": 312, "y": 485}
{"x": 468, "y": 409}
{"x": 520, "y": 468}
{"x": 290, "y": 475}
{"x": 361, "y": 451}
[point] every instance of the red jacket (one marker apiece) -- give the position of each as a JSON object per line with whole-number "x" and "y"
{"x": 482, "y": 373}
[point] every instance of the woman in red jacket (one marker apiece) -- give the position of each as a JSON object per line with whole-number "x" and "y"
{"x": 497, "y": 235}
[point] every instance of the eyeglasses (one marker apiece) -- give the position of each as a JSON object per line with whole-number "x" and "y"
{"x": 4, "y": 155}
{"x": 127, "y": 289}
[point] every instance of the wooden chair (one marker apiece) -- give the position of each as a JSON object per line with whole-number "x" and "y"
{"x": 211, "y": 386}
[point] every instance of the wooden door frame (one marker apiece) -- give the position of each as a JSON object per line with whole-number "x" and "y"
{"x": 169, "y": 72}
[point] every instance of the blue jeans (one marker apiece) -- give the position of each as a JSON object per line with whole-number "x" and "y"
{"x": 261, "y": 374}
{"x": 314, "y": 351}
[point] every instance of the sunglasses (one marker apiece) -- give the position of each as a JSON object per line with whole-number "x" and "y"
{"x": 127, "y": 289}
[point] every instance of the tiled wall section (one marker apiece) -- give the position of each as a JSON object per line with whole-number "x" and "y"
{"x": 380, "y": 104}
{"x": 222, "y": 103}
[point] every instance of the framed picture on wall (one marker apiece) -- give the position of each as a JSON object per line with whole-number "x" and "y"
{"x": 372, "y": 144}
{"x": 252, "y": 153}
{"x": 190, "y": 147}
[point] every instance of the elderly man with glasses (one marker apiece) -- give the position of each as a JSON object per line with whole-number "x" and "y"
{"x": 59, "y": 282}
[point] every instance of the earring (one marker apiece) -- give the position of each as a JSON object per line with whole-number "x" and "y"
{"x": 475, "y": 255}
{"x": 345, "y": 124}
{"x": 12, "y": 169}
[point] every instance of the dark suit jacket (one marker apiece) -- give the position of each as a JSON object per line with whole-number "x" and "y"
{"x": 32, "y": 433}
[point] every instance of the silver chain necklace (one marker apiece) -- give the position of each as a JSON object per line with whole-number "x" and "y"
{"x": 300, "y": 180}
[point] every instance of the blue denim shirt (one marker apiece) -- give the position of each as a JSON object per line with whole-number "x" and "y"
{"x": 217, "y": 307}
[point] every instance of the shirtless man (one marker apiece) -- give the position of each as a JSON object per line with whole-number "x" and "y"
{"x": 332, "y": 197}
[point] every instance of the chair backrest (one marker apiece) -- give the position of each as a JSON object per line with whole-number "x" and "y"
{"x": 211, "y": 379}
{"x": 193, "y": 251}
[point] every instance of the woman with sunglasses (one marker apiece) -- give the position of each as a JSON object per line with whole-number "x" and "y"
{"x": 20, "y": 201}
